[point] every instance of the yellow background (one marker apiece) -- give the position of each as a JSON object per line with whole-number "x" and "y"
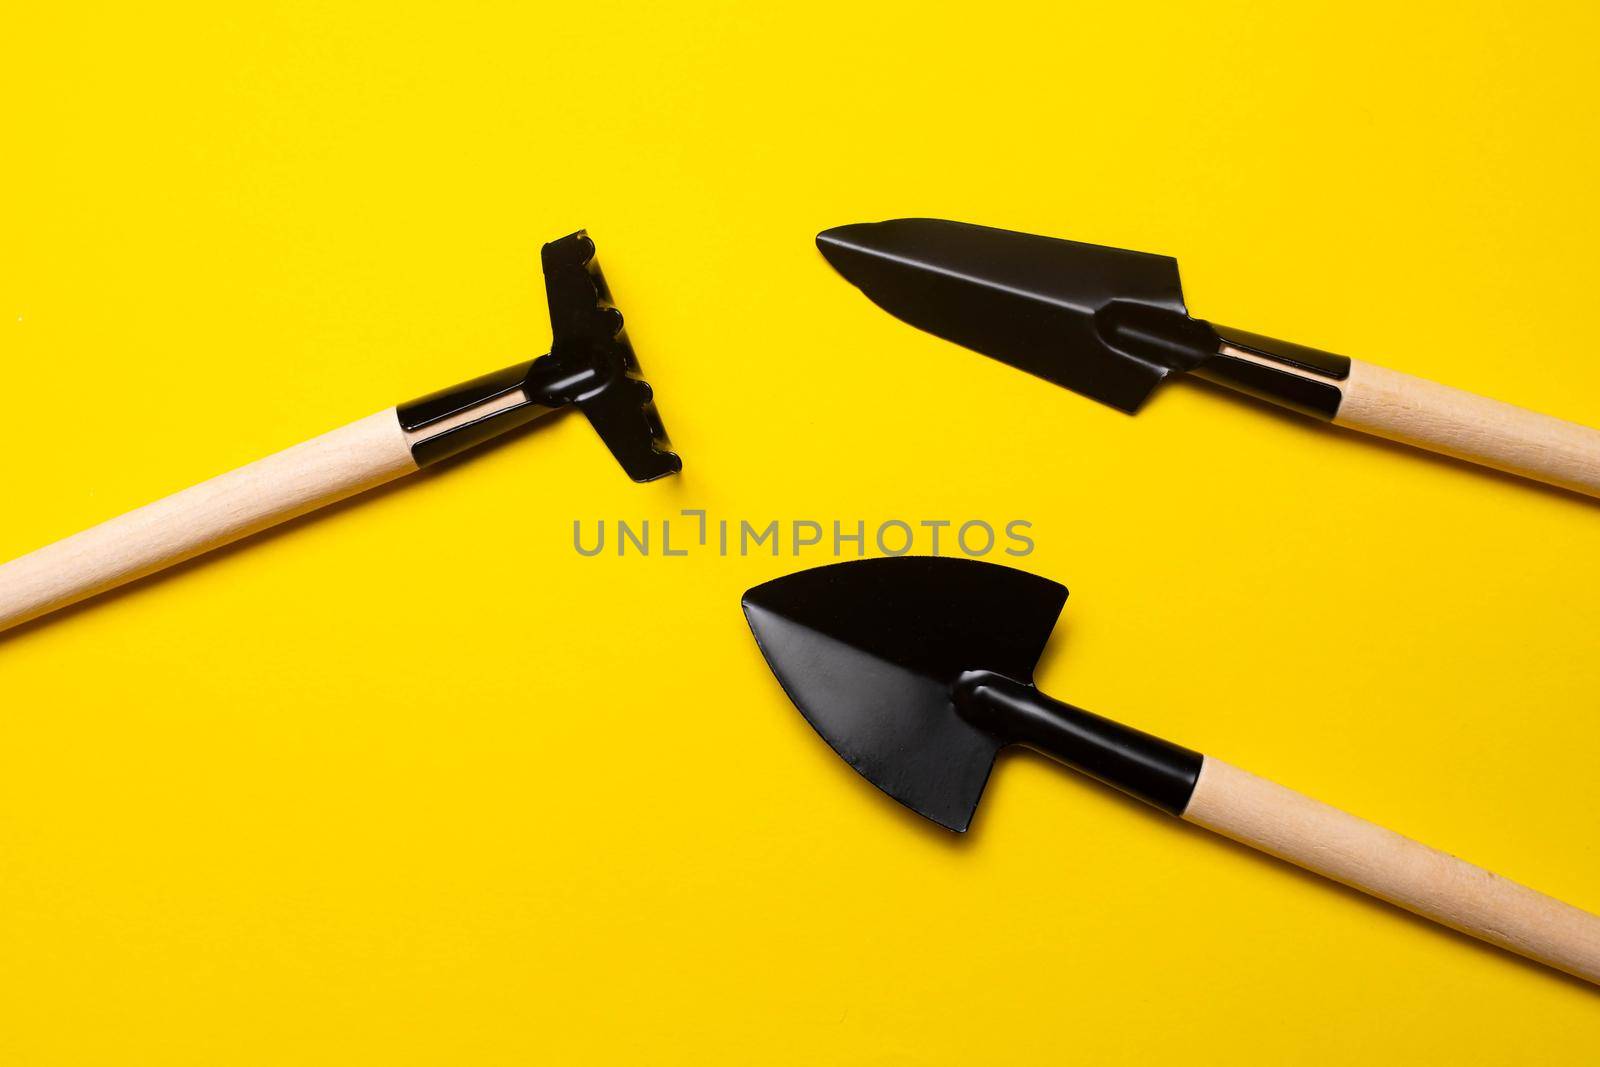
{"x": 412, "y": 783}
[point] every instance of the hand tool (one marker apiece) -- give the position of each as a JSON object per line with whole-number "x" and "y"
{"x": 590, "y": 366}
{"x": 1111, "y": 324}
{"x": 919, "y": 669}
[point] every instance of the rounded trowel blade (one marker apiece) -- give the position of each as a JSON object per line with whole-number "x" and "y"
{"x": 869, "y": 651}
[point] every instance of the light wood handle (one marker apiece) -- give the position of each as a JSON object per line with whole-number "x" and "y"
{"x": 1456, "y": 423}
{"x": 320, "y": 471}
{"x": 1360, "y": 854}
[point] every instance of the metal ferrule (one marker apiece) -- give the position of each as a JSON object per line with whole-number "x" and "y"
{"x": 1156, "y": 771}
{"x": 1290, "y": 375}
{"x": 463, "y": 416}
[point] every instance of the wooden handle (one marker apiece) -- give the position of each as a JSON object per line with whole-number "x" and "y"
{"x": 1358, "y": 853}
{"x": 336, "y": 465}
{"x": 1471, "y": 427}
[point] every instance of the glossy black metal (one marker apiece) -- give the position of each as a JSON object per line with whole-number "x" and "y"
{"x": 1297, "y": 391}
{"x": 1289, "y": 375}
{"x": 591, "y": 365}
{"x": 1301, "y": 357}
{"x": 459, "y": 401}
{"x": 1133, "y": 761}
{"x": 1105, "y": 322}
{"x": 870, "y": 652}
{"x": 918, "y": 670}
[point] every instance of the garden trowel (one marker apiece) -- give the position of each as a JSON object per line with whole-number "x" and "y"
{"x": 590, "y": 367}
{"x": 918, "y": 670}
{"x": 1111, "y": 324}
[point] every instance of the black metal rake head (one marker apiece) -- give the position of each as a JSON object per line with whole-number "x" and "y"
{"x": 590, "y": 366}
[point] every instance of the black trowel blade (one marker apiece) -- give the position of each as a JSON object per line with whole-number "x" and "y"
{"x": 869, "y": 651}
{"x": 1038, "y": 303}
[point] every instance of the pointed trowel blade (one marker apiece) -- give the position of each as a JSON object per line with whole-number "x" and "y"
{"x": 1105, "y": 322}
